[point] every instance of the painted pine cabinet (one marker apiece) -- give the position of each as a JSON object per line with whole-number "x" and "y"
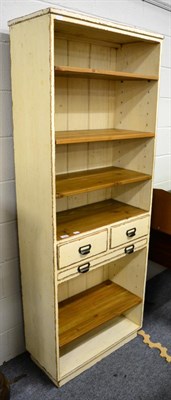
{"x": 84, "y": 113}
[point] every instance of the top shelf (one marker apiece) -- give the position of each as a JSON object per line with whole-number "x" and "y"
{"x": 101, "y": 74}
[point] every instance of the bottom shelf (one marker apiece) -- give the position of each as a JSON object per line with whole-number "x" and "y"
{"x": 96, "y": 346}
{"x": 92, "y": 308}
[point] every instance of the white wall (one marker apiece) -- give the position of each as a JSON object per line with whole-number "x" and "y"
{"x": 131, "y": 12}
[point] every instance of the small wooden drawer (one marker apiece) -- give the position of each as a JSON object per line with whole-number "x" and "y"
{"x": 82, "y": 249}
{"x": 130, "y": 248}
{"x": 129, "y": 231}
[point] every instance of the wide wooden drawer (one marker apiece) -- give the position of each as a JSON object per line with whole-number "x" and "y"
{"x": 128, "y": 231}
{"x": 82, "y": 249}
{"x": 106, "y": 258}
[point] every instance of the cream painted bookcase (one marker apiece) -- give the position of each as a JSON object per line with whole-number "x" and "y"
{"x": 84, "y": 110}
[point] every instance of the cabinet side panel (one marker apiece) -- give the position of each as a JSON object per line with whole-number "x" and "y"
{"x": 136, "y": 194}
{"x": 134, "y": 266}
{"x": 139, "y": 58}
{"x": 134, "y": 154}
{"x": 34, "y": 166}
{"x": 136, "y": 105}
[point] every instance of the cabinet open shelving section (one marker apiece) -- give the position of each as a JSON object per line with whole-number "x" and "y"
{"x": 84, "y": 110}
{"x": 104, "y": 302}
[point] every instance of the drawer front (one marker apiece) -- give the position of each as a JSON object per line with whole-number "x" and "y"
{"x": 85, "y": 267}
{"x": 80, "y": 250}
{"x": 129, "y": 231}
{"x": 130, "y": 248}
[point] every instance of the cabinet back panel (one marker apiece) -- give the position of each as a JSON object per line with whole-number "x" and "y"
{"x": 83, "y": 199}
{"x": 82, "y": 282}
{"x": 84, "y": 104}
{"x": 89, "y": 104}
{"x": 77, "y": 53}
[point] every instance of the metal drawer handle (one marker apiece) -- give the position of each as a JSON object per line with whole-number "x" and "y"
{"x": 85, "y": 249}
{"x": 131, "y": 232}
{"x": 129, "y": 249}
{"x": 84, "y": 268}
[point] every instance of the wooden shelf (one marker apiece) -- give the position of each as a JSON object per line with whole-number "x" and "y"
{"x": 86, "y": 311}
{"x": 100, "y": 74}
{"x": 97, "y": 343}
{"x": 88, "y": 181}
{"x": 93, "y": 216}
{"x": 99, "y": 135}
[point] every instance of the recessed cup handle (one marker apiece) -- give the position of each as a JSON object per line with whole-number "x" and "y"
{"x": 131, "y": 232}
{"x": 85, "y": 249}
{"x": 84, "y": 268}
{"x": 129, "y": 249}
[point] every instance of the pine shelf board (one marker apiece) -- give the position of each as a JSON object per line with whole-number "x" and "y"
{"x": 88, "y": 181}
{"x": 94, "y": 216}
{"x": 99, "y": 135}
{"x": 92, "y": 308}
{"x": 67, "y": 71}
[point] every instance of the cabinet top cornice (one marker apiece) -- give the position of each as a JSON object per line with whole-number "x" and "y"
{"x": 106, "y": 24}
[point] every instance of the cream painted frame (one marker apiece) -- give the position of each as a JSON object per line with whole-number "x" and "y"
{"x": 32, "y": 65}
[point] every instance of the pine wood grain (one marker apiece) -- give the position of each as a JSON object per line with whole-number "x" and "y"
{"x": 88, "y": 310}
{"x": 99, "y": 135}
{"x": 100, "y": 73}
{"x": 93, "y": 216}
{"x": 87, "y": 181}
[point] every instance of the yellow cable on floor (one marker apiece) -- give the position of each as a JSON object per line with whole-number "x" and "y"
{"x": 163, "y": 350}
